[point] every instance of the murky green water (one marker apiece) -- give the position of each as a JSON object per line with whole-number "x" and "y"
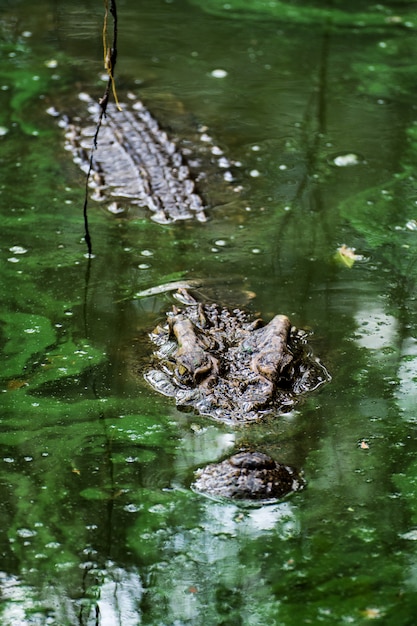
{"x": 98, "y": 523}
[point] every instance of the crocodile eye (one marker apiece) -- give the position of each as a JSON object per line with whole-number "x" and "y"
{"x": 182, "y": 371}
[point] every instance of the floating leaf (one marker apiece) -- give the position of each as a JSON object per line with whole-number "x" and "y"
{"x": 372, "y": 613}
{"x": 347, "y": 256}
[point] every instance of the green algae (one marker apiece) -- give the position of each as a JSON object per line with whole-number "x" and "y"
{"x": 315, "y": 13}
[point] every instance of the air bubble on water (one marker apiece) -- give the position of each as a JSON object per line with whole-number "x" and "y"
{"x": 66, "y": 565}
{"x": 115, "y": 208}
{"x": 219, "y": 73}
{"x": 347, "y": 160}
{"x": 84, "y": 97}
{"x": 3, "y": 131}
{"x": 254, "y": 173}
{"x": 52, "y": 111}
{"x": 25, "y": 533}
{"x": 223, "y": 162}
{"x": 411, "y": 225}
{"x": 411, "y": 535}
{"x": 18, "y": 250}
{"x": 132, "y": 508}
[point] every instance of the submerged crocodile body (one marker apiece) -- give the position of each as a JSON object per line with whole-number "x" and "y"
{"x": 248, "y": 475}
{"x": 134, "y": 161}
{"x": 229, "y": 367}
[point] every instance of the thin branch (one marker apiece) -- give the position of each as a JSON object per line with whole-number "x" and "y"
{"x": 110, "y": 57}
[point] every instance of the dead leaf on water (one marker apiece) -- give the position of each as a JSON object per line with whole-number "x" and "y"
{"x": 347, "y": 256}
{"x": 372, "y": 613}
{"x": 14, "y": 384}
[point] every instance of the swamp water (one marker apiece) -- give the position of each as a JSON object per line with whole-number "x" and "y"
{"x": 98, "y": 523}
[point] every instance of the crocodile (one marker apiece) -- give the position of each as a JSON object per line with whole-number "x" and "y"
{"x": 225, "y": 365}
{"x": 248, "y": 475}
{"x": 135, "y": 161}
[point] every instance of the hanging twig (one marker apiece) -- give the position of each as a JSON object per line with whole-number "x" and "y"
{"x": 110, "y": 53}
{"x": 110, "y": 57}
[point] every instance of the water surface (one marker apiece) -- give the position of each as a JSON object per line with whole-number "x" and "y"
{"x": 99, "y": 525}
